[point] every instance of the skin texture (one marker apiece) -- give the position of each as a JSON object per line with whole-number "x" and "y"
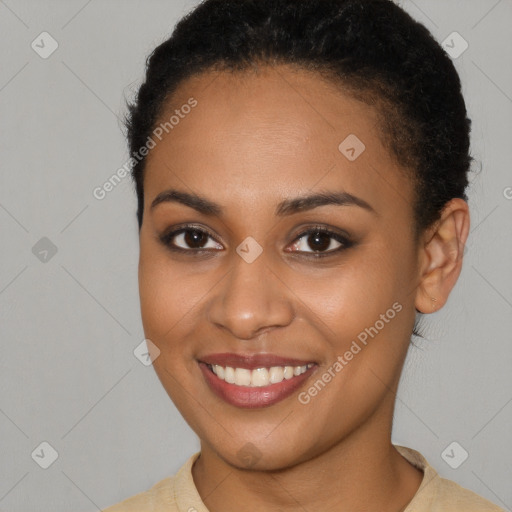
{"x": 254, "y": 140}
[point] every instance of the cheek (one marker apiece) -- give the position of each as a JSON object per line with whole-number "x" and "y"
{"x": 348, "y": 296}
{"x": 167, "y": 300}
{"x": 165, "y": 295}
{"x": 364, "y": 310}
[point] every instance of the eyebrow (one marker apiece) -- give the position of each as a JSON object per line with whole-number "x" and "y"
{"x": 284, "y": 208}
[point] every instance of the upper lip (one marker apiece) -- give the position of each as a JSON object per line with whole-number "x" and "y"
{"x": 252, "y": 361}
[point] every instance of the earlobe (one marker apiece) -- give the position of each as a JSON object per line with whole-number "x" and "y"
{"x": 441, "y": 256}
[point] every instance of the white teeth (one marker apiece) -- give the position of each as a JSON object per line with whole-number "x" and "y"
{"x": 219, "y": 370}
{"x": 288, "y": 372}
{"x": 276, "y": 374}
{"x": 229, "y": 375}
{"x": 258, "y": 377}
{"x": 242, "y": 377}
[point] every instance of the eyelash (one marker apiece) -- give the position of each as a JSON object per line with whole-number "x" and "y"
{"x": 345, "y": 241}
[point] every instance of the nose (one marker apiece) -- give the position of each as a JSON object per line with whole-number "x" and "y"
{"x": 251, "y": 300}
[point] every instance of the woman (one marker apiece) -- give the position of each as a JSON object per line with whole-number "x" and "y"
{"x": 300, "y": 169}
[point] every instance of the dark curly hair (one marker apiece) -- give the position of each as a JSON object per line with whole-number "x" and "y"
{"x": 372, "y": 49}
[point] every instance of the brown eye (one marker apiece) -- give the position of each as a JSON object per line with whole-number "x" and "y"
{"x": 321, "y": 242}
{"x": 195, "y": 239}
{"x": 190, "y": 240}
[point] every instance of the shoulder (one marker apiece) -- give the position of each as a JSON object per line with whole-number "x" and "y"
{"x": 164, "y": 495}
{"x": 437, "y": 494}
{"x": 161, "y": 494}
{"x": 452, "y": 496}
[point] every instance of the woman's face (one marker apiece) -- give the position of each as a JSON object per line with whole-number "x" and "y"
{"x": 299, "y": 253}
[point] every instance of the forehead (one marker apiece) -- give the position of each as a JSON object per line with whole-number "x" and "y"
{"x": 258, "y": 137}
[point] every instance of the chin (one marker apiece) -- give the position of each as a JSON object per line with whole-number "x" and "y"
{"x": 266, "y": 456}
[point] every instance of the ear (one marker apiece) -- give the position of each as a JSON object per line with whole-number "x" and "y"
{"x": 441, "y": 255}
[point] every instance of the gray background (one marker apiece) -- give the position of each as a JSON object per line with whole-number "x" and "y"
{"x": 70, "y": 321}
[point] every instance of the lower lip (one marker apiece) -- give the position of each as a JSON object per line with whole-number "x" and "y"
{"x": 253, "y": 397}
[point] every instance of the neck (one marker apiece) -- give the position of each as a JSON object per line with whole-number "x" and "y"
{"x": 362, "y": 472}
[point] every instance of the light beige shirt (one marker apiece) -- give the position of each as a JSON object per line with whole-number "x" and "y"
{"x": 435, "y": 494}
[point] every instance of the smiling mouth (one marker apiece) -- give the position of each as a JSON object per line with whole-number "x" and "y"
{"x": 258, "y": 377}
{"x": 254, "y": 381}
